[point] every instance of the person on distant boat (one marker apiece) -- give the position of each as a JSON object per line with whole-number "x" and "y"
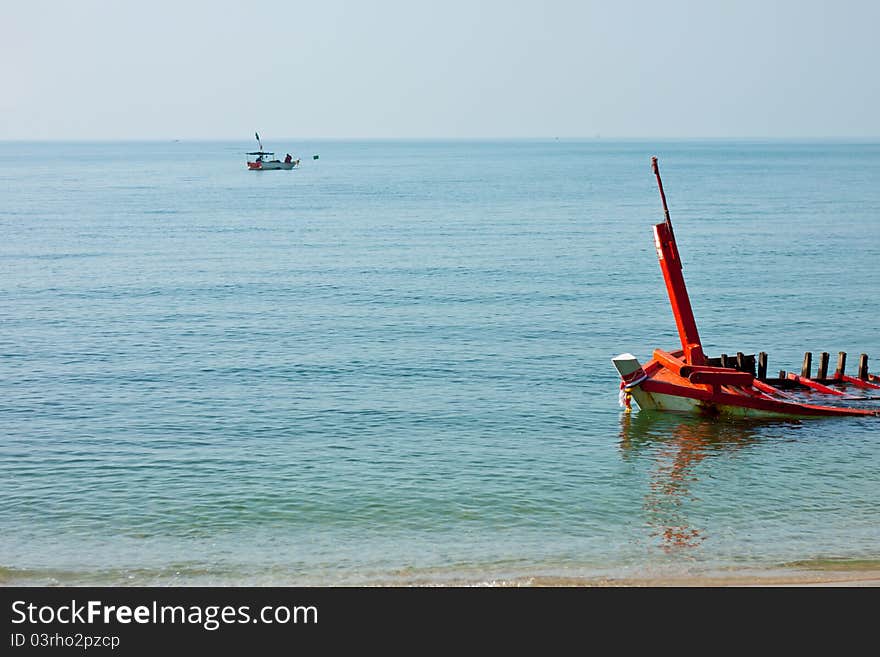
{"x": 288, "y": 159}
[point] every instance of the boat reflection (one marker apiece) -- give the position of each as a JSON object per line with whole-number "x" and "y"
{"x": 675, "y": 445}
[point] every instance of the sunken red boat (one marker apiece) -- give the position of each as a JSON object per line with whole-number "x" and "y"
{"x": 686, "y": 380}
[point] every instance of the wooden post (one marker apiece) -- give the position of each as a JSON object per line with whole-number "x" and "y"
{"x": 782, "y": 375}
{"x": 740, "y": 361}
{"x": 762, "y": 366}
{"x": 863, "y": 367}
{"x": 808, "y": 364}
{"x": 822, "y": 372}
{"x": 725, "y": 360}
{"x": 841, "y": 364}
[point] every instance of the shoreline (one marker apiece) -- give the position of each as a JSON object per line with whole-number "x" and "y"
{"x": 810, "y": 573}
{"x": 832, "y": 580}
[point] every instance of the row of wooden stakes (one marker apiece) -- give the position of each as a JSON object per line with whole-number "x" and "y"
{"x": 757, "y": 366}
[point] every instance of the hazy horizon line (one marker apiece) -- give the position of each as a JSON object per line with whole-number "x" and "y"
{"x": 597, "y": 138}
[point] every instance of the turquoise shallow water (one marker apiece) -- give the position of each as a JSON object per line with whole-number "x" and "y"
{"x": 393, "y": 365}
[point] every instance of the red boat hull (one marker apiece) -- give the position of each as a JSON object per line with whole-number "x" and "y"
{"x": 662, "y": 389}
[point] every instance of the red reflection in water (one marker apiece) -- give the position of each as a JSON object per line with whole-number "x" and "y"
{"x": 669, "y": 488}
{"x": 677, "y": 448}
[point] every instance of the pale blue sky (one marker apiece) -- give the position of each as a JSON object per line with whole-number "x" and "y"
{"x": 119, "y": 69}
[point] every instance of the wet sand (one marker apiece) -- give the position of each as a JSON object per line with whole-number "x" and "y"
{"x": 806, "y": 573}
{"x": 837, "y": 579}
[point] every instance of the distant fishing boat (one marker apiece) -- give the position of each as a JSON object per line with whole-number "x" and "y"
{"x": 266, "y": 161}
{"x": 686, "y": 380}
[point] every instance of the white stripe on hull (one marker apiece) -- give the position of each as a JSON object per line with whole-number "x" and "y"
{"x": 662, "y": 402}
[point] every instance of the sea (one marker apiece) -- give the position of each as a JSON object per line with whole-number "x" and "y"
{"x": 391, "y": 366}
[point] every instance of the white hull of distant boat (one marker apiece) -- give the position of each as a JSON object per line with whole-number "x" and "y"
{"x": 272, "y": 165}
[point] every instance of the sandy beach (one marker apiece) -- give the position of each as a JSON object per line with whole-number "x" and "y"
{"x": 833, "y": 579}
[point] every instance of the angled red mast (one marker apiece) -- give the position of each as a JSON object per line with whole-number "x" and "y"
{"x": 670, "y": 265}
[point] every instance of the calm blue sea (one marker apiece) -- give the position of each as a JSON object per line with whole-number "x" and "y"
{"x": 392, "y": 366}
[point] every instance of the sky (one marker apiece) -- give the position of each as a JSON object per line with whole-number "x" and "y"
{"x": 461, "y": 69}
